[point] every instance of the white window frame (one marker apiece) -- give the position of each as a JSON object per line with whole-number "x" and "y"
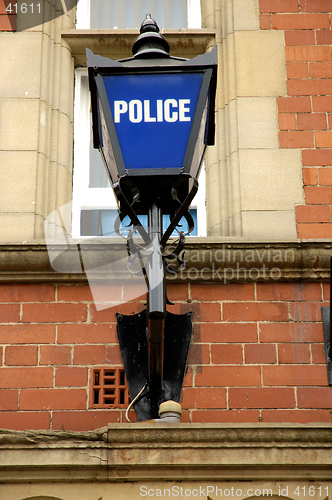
{"x": 85, "y": 197}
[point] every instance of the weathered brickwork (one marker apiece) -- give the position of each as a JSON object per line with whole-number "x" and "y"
{"x": 256, "y": 354}
{"x": 305, "y": 114}
{"x": 7, "y": 15}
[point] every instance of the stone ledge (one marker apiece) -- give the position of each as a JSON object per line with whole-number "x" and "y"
{"x": 142, "y": 452}
{"x": 207, "y": 260}
{"x": 117, "y": 44}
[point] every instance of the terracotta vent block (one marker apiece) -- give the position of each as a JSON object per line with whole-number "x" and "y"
{"x": 109, "y": 388}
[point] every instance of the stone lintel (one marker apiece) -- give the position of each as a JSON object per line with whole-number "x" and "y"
{"x": 190, "y": 452}
{"x": 207, "y": 260}
{"x": 117, "y": 44}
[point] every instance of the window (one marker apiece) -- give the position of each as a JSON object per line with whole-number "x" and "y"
{"x": 94, "y": 204}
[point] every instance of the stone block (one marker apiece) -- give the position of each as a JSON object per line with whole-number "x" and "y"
{"x": 263, "y": 225}
{"x": 260, "y": 63}
{"x": 246, "y": 15}
{"x": 16, "y": 227}
{"x": 271, "y": 179}
{"x": 257, "y": 122}
{"x": 20, "y": 65}
{"x": 19, "y": 119}
{"x": 18, "y": 181}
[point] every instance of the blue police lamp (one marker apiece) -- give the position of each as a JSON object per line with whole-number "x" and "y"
{"x": 153, "y": 116}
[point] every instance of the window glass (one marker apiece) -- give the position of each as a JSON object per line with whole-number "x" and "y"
{"x": 122, "y": 14}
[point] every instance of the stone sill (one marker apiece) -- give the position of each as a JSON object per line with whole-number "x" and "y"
{"x": 207, "y": 260}
{"x": 190, "y": 452}
{"x": 117, "y": 44}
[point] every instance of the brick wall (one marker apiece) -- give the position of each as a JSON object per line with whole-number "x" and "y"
{"x": 7, "y": 19}
{"x": 305, "y": 114}
{"x": 257, "y": 354}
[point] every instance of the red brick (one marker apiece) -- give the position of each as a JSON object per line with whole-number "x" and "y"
{"x": 225, "y": 376}
{"x": 318, "y": 397}
{"x": 289, "y": 291}
{"x": 296, "y": 139}
{"x": 294, "y": 375}
{"x": 25, "y": 420}
{"x": 312, "y": 121}
{"x": 318, "y": 354}
{"x": 265, "y": 22}
{"x": 324, "y": 37}
{"x": 53, "y": 399}
{"x": 293, "y": 353}
{"x": 9, "y": 313}
{"x": 84, "y": 420}
{"x": 89, "y": 354}
{"x": 4, "y": 4}
{"x": 11, "y": 378}
{"x": 221, "y": 292}
{"x": 291, "y": 332}
{"x": 326, "y": 291}
{"x": 210, "y": 397}
{"x": 314, "y": 87}
{"x": 296, "y": 416}
{"x": 310, "y": 176}
{"x": 188, "y": 377}
{"x": 27, "y": 293}
{"x": 27, "y": 334}
{"x": 253, "y": 311}
{"x": 55, "y": 355}
{"x": 287, "y": 121}
{"x": 226, "y": 354}
{"x": 320, "y": 195}
{"x": 113, "y": 356}
{"x": 8, "y": 400}
{"x": 109, "y": 315}
{"x": 135, "y": 292}
{"x": 302, "y": 37}
{"x": 7, "y": 23}
{"x": 177, "y": 292}
{"x": 72, "y": 376}
{"x": 74, "y": 293}
{"x": 312, "y": 213}
{"x": 300, "y": 21}
{"x": 261, "y": 397}
{"x": 278, "y": 6}
{"x": 329, "y": 118}
{"x": 87, "y": 334}
{"x": 315, "y": 6}
{"x": 260, "y": 353}
{"x": 205, "y": 312}
{"x": 21, "y": 355}
{"x": 297, "y": 70}
{"x": 294, "y": 104}
{"x": 308, "y": 53}
{"x": 228, "y": 332}
{"x": 323, "y": 139}
{"x": 199, "y": 354}
{"x": 317, "y": 157}
{"x": 216, "y": 416}
{"x": 322, "y": 103}
{"x": 325, "y": 176}
{"x": 53, "y": 313}
{"x": 309, "y": 231}
{"x": 320, "y": 70}
{"x": 302, "y": 311}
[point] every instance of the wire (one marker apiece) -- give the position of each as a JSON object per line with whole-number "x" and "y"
{"x": 134, "y": 401}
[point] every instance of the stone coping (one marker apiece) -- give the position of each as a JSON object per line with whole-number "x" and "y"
{"x": 207, "y": 260}
{"x": 117, "y": 44}
{"x": 140, "y": 452}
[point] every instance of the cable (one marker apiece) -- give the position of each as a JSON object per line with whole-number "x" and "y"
{"x": 134, "y": 401}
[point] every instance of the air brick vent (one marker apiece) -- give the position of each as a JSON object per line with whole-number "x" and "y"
{"x": 109, "y": 388}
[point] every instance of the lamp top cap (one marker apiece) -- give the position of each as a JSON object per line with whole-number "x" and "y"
{"x": 150, "y": 43}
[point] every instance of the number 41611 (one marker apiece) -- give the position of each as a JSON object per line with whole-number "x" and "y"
{"x": 24, "y": 8}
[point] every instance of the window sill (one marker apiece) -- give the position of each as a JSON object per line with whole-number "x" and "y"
{"x": 117, "y": 44}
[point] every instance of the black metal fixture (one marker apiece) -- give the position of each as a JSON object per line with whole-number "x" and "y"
{"x": 327, "y": 327}
{"x": 153, "y": 116}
